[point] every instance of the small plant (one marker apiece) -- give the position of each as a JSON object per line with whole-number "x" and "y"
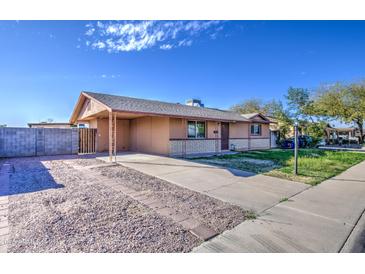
{"x": 285, "y": 199}
{"x": 250, "y": 215}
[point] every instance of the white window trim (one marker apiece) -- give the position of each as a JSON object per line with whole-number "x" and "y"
{"x": 196, "y": 130}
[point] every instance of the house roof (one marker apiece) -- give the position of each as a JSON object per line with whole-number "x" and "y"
{"x": 136, "y": 105}
{"x": 253, "y": 116}
{"x": 49, "y": 124}
{"x": 250, "y": 115}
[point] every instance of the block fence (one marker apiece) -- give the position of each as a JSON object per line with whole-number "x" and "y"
{"x": 19, "y": 142}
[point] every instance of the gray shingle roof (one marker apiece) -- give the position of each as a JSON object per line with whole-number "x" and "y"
{"x": 129, "y": 104}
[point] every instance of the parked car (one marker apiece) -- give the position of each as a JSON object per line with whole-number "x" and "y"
{"x": 321, "y": 142}
{"x": 303, "y": 142}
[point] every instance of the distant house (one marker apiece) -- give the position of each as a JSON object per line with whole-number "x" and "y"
{"x": 131, "y": 124}
{"x": 49, "y": 125}
{"x": 342, "y": 135}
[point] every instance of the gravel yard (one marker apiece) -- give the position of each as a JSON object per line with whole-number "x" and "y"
{"x": 54, "y": 208}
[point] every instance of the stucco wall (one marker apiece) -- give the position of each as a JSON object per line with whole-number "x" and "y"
{"x": 103, "y": 134}
{"x": 238, "y": 130}
{"x": 212, "y": 126}
{"x": 178, "y": 128}
{"x": 150, "y": 135}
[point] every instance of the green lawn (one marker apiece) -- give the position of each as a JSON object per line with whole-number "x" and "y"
{"x": 314, "y": 165}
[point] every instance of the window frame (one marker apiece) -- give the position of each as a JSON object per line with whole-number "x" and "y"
{"x": 196, "y": 129}
{"x": 259, "y": 129}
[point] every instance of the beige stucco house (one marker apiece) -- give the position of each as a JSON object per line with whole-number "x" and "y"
{"x": 131, "y": 124}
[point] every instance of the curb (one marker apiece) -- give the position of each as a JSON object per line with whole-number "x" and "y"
{"x": 355, "y": 243}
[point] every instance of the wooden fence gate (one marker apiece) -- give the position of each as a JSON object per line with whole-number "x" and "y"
{"x": 87, "y": 140}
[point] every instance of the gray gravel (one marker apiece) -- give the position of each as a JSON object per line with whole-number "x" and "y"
{"x": 53, "y": 209}
{"x": 217, "y": 214}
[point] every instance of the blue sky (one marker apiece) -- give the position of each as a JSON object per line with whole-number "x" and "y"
{"x": 45, "y": 64}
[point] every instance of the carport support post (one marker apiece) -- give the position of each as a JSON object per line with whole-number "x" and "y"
{"x": 115, "y": 137}
{"x": 110, "y": 136}
{"x": 296, "y": 148}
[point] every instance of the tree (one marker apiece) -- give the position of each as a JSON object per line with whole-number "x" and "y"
{"x": 301, "y": 109}
{"x": 273, "y": 108}
{"x": 342, "y": 102}
{"x": 249, "y": 106}
{"x": 298, "y": 100}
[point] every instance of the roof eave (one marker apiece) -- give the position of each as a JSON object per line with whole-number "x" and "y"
{"x": 78, "y": 106}
{"x": 179, "y": 116}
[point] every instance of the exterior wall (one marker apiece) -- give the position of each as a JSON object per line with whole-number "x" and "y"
{"x": 239, "y": 138}
{"x": 102, "y": 126}
{"x": 150, "y": 135}
{"x": 211, "y": 126}
{"x": 19, "y": 142}
{"x": 178, "y": 128}
{"x": 263, "y": 143}
{"x": 239, "y": 144}
{"x": 194, "y": 146}
{"x": 238, "y": 130}
{"x": 265, "y": 132}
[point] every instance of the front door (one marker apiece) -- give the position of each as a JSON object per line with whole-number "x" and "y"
{"x": 224, "y": 136}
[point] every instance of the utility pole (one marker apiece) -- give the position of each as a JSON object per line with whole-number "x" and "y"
{"x": 296, "y": 148}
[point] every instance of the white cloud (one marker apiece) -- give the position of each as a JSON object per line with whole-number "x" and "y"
{"x": 140, "y": 35}
{"x": 166, "y": 46}
{"x": 90, "y": 31}
{"x": 98, "y": 44}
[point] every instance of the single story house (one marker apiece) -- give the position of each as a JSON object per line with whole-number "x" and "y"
{"x": 49, "y": 125}
{"x": 148, "y": 126}
{"x": 338, "y": 135}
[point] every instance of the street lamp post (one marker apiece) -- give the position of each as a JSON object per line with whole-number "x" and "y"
{"x": 296, "y": 148}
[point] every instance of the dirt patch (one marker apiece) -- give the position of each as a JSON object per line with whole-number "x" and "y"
{"x": 249, "y": 164}
{"x": 82, "y": 216}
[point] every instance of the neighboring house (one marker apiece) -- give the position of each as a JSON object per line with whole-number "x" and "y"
{"x": 125, "y": 123}
{"x": 337, "y": 135}
{"x": 49, "y": 125}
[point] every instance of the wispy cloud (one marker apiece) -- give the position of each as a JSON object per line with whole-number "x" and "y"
{"x": 140, "y": 35}
{"x": 113, "y": 76}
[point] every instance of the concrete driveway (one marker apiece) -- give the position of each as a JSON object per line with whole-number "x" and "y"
{"x": 248, "y": 190}
{"x": 329, "y": 217}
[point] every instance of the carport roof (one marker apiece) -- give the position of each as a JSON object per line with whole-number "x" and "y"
{"x": 144, "y": 106}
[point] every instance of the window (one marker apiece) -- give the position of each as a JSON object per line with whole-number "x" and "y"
{"x": 255, "y": 129}
{"x": 191, "y": 129}
{"x": 196, "y": 129}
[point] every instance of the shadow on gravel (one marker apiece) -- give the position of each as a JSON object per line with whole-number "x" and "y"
{"x": 27, "y": 177}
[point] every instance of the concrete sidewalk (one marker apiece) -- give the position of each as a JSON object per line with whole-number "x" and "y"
{"x": 248, "y": 190}
{"x": 319, "y": 219}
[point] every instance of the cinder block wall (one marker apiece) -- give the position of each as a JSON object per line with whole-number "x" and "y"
{"x": 19, "y": 142}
